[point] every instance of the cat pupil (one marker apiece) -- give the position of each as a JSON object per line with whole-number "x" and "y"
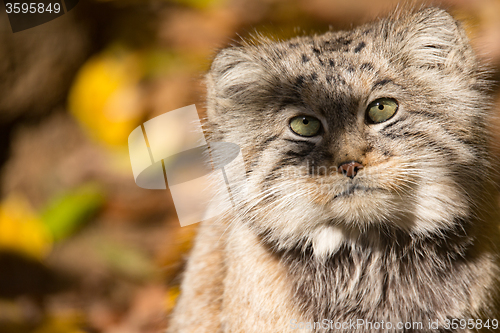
{"x": 380, "y": 107}
{"x": 305, "y": 121}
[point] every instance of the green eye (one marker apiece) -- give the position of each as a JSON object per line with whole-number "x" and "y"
{"x": 381, "y": 109}
{"x": 305, "y": 125}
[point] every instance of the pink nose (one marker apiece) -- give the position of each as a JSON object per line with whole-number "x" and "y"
{"x": 350, "y": 169}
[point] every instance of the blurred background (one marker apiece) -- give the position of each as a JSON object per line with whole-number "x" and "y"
{"x": 82, "y": 248}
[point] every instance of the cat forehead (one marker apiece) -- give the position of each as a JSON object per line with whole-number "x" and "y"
{"x": 321, "y": 67}
{"x": 328, "y": 50}
{"x": 334, "y": 58}
{"x": 343, "y": 42}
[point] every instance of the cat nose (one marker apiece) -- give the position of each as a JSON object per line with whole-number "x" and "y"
{"x": 350, "y": 169}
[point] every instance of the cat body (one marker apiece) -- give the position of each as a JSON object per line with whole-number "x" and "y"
{"x": 369, "y": 204}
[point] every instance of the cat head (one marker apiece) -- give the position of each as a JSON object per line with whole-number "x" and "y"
{"x": 349, "y": 132}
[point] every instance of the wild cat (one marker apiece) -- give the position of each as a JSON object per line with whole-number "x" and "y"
{"x": 370, "y": 204}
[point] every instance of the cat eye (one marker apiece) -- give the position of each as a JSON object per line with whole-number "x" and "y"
{"x": 305, "y": 125}
{"x": 381, "y": 110}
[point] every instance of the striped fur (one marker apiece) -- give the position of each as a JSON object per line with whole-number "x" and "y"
{"x": 410, "y": 238}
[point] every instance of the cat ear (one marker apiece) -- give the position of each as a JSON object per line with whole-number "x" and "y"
{"x": 233, "y": 80}
{"x": 432, "y": 38}
{"x": 233, "y": 71}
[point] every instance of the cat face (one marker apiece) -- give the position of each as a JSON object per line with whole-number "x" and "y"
{"x": 350, "y": 132}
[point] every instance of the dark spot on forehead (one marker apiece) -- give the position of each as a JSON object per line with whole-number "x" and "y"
{"x": 314, "y": 76}
{"x": 385, "y": 34}
{"x": 350, "y": 69}
{"x": 339, "y": 44}
{"x": 293, "y": 45}
{"x": 300, "y": 80}
{"x": 344, "y": 41}
{"x": 331, "y": 62}
{"x": 335, "y": 79}
{"x": 316, "y": 50}
{"x": 366, "y": 66}
{"x": 305, "y": 58}
{"x": 369, "y": 149}
{"x": 280, "y": 53}
{"x": 386, "y": 153}
{"x": 359, "y": 47}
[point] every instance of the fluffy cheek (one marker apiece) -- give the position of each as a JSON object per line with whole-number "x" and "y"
{"x": 284, "y": 211}
{"x": 438, "y": 204}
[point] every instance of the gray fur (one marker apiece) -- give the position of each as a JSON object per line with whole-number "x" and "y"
{"x": 417, "y": 243}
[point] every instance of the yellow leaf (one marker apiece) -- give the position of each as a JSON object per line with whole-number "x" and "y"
{"x": 62, "y": 323}
{"x": 21, "y": 230}
{"x": 171, "y": 298}
{"x": 201, "y": 4}
{"x": 105, "y": 97}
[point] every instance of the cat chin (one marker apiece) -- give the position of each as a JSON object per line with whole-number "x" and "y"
{"x": 366, "y": 209}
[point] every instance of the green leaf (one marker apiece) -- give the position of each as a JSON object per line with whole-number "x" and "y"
{"x": 66, "y": 213}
